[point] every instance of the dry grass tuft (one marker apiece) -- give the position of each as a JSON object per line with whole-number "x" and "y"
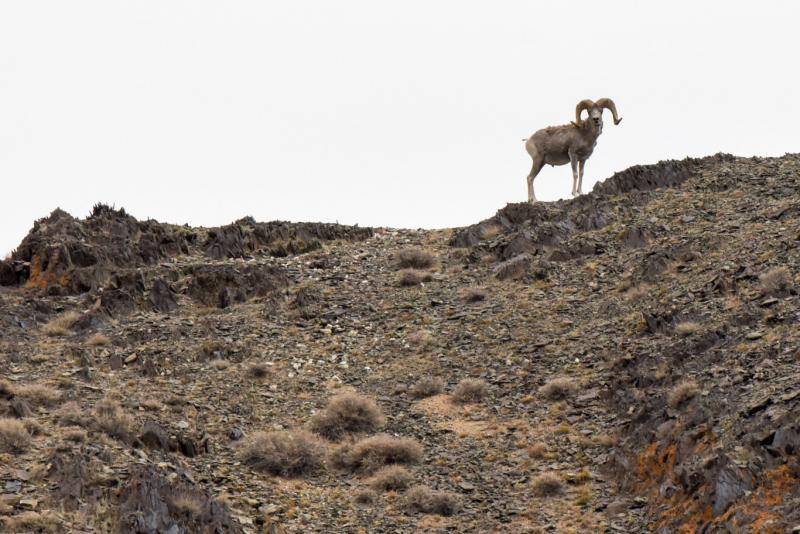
{"x": 422, "y": 499}
{"x": 372, "y": 453}
{"x": 489, "y": 231}
{"x": 547, "y": 485}
{"x": 410, "y": 278}
{"x": 219, "y": 364}
{"x": 427, "y": 387}
{"x": 347, "y": 413}
{"x": 186, "y": 504}
{"x": 681, "y": 393}
{"x": 537, "y": 450}
{"x": 98, "y": 340}
{"x": 470, "y": 390}
{"x": 70, "y": 414}
{"x": 61, "y": 325}
{"x": 558, "y": 389}
{"x": 14, "y": 436}
{"x": 414, "y": 258}
{"x": 283, "y": 453}
{"x": 421, "y": 339}
{"x": 365, "y": 497}
{"x": 32, "y": 521}
{"x": 775, "y": 282}
{"x": 258, "y": 371}
{"x": 38, "y": 394}
{"x": 390, "y": 478}
{"x": 474, "y": 295}
{"x": 75, "y": 435}
{"x": 112, "y": 420}
{"x": 687, "y": 328}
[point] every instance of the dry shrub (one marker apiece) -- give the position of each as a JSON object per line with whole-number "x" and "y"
{"x": 470, "y": 390}
{"x": 61, "y": 325}
{"x": 76, "y": 435}
{"x": 258, "y": 371}
{"x": 283, "y": 453}
{"x": 347, "y": 413}
{"x": 421, "y": 339}
{"x": 365, "y": 497}
{"x": 427, "y": 387}
{"x": 636, "y": 294}
{"x": 775, "y": 282}
{"x": 14, "y": 436}
{"x": 681, "y": 393}
{"x": 112, "y": 420}
{"x": 537, "y": 450}
{"x": 558, "y": 389}
{"x": 374, "y": 452}
{"x": 410, "y": 278}
{"x": 219, "y": 364}
{"x": 687, "y": 328}
{"x": 32, "y": 521}
{"x": 489, "y": 231}
{"x": 152, "y": 405}
{"x": 547, "y": 485}
{"x": 422, "y": 499}
{"x": 474, "y": 295}
{"x": 390, "y": 478}
{"x": 71, "y": 414}
{"x": 38, "y": 394}
{"x": 513, "y": 269}
{"x": 98, "y": 340}
{"x": 187, "y": 504}
{"x": 414, "y": 258}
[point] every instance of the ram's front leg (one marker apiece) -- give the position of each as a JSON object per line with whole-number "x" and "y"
{"x": 573, "y": 161}
{"x": 581, "y": 163}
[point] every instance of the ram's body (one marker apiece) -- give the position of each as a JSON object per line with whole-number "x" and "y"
{"x": 571, "y": 143}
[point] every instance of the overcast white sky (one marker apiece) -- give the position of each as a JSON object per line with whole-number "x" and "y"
{"x": 404, "y": 114}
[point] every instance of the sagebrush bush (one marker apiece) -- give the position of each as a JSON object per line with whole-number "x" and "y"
{"x": 410, "y": 278}
{"x": 558, "y": 389}
{"x": 365, "y": 496}
{"x": 414, "y": 258}
{"x": 71, "y": 414}
{"x": 38, "y": 394}
{"x": 98, "y": 340}
{"x": 470, "y": 390}
{"x": 390, "y": 478}
{"x": 283, "y": 453}
{"x": 427, "y": 387}
{"x": 687, "y": 328}
{"x": 775, "y": 282}
{"x": 681, "y": 393}
{"x": 111, "y": 419}
{"x": 346, "y": 414}
{"x": 422, "y": 499}
{"x": 370, "y": 454}
{"x": 14, "y": 436}
{"x": 258, "y": 371}
{"x": 61, "y": 325}
{"x": 547, "y": 485}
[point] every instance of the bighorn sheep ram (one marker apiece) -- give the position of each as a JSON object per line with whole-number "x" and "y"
{"x": 573, "y": 142}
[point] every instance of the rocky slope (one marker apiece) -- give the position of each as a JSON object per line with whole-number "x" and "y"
{"x": 634, "y": 356}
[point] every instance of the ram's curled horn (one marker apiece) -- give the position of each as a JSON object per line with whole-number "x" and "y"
{"x": 583, "y": 104}
{"x": 609, "y": 104}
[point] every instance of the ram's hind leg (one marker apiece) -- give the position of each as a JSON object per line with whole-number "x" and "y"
{"x": 538, "y": 163}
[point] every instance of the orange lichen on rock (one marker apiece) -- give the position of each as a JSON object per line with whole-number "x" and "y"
{"x": 43, "y": 278}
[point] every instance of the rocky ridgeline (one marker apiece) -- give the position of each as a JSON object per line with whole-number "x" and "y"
{"x": 123, "y": 264}
{"x": 625, "y": 361}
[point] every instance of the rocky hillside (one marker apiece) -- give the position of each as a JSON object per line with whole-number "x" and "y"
{"x": 626, "y": 361}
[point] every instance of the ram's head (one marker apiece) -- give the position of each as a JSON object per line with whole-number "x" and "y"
{"x": 595, "y": 110}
